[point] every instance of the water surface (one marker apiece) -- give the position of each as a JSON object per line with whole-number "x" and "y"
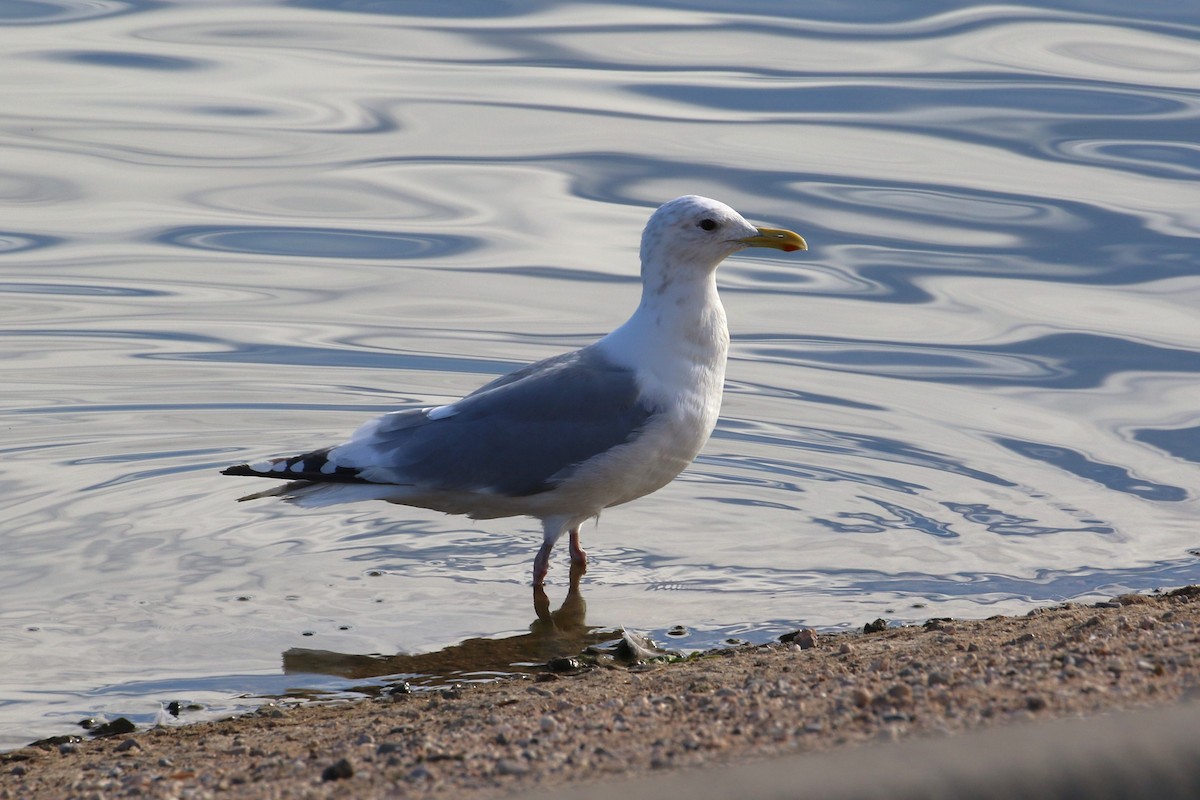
{"x": 233, "y": 231}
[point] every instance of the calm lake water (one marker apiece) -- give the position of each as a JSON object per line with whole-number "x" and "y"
{"x": 229, "y": 231}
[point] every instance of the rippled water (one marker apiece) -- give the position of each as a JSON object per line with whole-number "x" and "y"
{"x": 230, "y": 231}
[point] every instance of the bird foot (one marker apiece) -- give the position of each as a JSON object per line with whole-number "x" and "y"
{"x": 579, "y": 556}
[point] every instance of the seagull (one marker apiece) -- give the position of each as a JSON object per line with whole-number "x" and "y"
{"x": 562, "y": 439}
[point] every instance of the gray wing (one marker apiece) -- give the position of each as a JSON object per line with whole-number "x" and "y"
{"x": 518, "y": 435}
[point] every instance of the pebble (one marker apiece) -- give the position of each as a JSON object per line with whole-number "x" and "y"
{"x": 507, "y": 766}
{"x": 548, "y": 724}
{"x": 421, "y": 773}
{"x": 338, "y": 770}
{"x": 128, "y": 744}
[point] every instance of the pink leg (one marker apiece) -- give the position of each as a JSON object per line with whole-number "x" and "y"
{"x": 578, "y": 554}
{"x": 541, "y": 563}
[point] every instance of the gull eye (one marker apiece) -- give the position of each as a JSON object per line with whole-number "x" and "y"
{"x": 708, "y": 224}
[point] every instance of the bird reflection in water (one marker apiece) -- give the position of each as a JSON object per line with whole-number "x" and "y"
{"x": 552, "y": 634}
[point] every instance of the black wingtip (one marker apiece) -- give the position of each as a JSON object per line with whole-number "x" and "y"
{"x": 240, "y": 469}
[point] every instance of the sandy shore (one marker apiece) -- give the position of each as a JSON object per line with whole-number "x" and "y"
{"x": 814, "y": 693}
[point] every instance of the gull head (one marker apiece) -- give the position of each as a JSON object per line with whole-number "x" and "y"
{"x": 692, "y": 235}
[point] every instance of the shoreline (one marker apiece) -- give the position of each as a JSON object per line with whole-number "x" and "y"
{"x": 815, "y": 693}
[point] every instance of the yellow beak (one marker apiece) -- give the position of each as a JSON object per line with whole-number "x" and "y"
{"x": 777, "y": 238}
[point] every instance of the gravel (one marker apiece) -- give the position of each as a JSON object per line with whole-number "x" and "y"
{"x": 810, "y": 693}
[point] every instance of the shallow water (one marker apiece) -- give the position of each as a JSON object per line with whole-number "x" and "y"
{"x": 232, "y": 231}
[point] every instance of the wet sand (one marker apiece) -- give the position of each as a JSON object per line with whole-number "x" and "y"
{"x": 817, "y": 692}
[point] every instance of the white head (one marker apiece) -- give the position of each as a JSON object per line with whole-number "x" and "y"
{"x": 691, "y": 235}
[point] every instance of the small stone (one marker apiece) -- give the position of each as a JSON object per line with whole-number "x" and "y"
{"x": 1035, "y": 702}
{"x": 507, "y": 766}
{"x": 564, "y": 664}
{"x": 420, "y": 773}
{"x": 118, "y": 726}
{"x": 900, "y": 693}
{"x": 548, "y": 724}
{"x": 937, "y": 679}
{"x": 18, "y": 770}
{"x": 875, "y": 627}
{"x": 860, "y": 697}
{"x": 128, "y": 744}
{"x": 338, "y": 770}
{"x": 68, "y": 747}
{"x": 846, "y": 649}
{"x": 365, "y": 738}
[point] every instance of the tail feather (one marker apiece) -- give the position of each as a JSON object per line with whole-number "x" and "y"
{"x": 314, "y": 466}
{"x": 285, "y": 491}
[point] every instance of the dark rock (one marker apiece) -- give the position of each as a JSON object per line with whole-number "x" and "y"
{"x": 55, "y": 741}
{"x": 338, "y": 770}
{"x": 128, "y": 744}
{"x": 806, "y": 638}
{"x": 634, "y": 647}
{"x": 118, "y": 727}
{"x": 564, "y": 664}
{"x": 876, "y": 626}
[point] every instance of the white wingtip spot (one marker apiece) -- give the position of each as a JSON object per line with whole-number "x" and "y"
{"x": 278, "y": 466}
{"x": 328, "y": 468}
{"x": 298, "y": 466}
{"x": 441, "y": 412}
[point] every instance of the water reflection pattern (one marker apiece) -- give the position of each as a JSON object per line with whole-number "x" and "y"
{"x": 230, "y": 223}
